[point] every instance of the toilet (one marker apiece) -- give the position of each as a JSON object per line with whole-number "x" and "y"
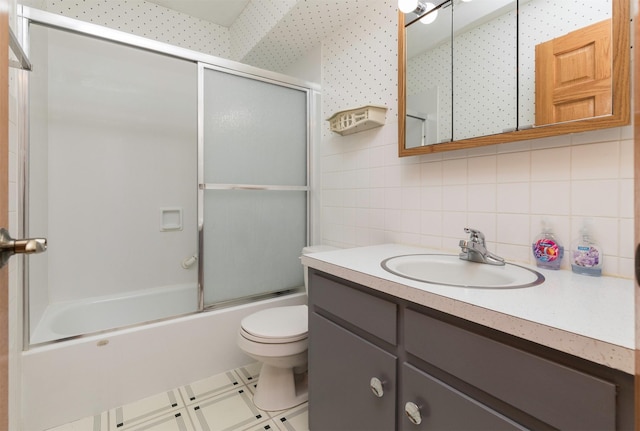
{"x": 277, "y": 337}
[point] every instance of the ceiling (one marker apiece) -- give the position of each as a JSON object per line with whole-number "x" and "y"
{"x": 221, "y": 12}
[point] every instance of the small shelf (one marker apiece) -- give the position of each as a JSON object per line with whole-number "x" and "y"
{"x": 357, "y": 119}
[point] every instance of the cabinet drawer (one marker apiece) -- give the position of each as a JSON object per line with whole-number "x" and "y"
{"x": 341, "y": 367}
{"x": 372, "y": 314}
{"x": 444, "y": 408}
{"x": 562, "y": 397}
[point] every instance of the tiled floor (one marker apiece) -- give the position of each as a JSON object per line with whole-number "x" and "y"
{"x": 218, "y": 403}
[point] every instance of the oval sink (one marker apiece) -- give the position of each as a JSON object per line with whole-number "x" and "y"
{"x": 450, "y": 270}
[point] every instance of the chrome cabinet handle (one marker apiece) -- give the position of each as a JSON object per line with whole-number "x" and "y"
{"x": 413, "y": 413}
{"x": 376, "y": 387}
{"x": 10, "y": 246}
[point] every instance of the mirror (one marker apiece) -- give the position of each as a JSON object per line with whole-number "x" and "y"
{"x": 466, "y": 81}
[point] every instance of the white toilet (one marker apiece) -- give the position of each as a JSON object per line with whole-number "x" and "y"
{"x": 277, "y": 337}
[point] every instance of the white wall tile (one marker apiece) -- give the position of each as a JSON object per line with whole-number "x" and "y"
{"x": 482, "y": 198}
{"x": 513, "y": 229}
{"x": 551, "y": 197}
{"x": 551, "y": 164}
{"x": 626, "y": 242}
{"x": 626, "y": 159}
{"x": 432, "y": 173}
{"x": 597, "y": 198}
{"x": 454, "y": 172}
{"x": 595, "y": 161}
{"x": 431, "y": 198}
{"x": 513, "y": 198}
{"x": 482, "y": 170}
{"x": 454, "y": 198}
{"x": 513, "y": 167}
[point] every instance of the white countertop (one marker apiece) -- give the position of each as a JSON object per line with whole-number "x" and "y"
{"x": 589, "y": 317}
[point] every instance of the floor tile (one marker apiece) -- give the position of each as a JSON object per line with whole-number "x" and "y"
{"x": 205, "y": 388}
{"x": 122, "y": 418}
{"x": 296, "y": 419}
{"x": 268, "y": 425}
{"x": 175, "y": 421}
{"x": 249, "y": 373}
{"x": 92, "y": 423}
{"x": 226, "y": 412}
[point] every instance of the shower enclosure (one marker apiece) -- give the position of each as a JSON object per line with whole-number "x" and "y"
{"x": 167, "y": 181}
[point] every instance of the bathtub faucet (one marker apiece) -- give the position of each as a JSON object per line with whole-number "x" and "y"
{"x": 474, "y": 249}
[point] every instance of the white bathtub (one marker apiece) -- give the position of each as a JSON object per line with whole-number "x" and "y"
{"x": 81, "y": 377}
{"x": 68, "y": 319}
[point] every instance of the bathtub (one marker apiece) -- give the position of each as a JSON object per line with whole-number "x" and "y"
{"x": 81, "y": 377}
{"x": 71, "y": 318}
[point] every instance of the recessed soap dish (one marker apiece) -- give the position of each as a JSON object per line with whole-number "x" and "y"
{"x": 357, "y": 119}
{"x": 170, "y": 219}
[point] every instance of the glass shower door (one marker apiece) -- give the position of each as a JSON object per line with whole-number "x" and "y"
{"x": 254, "y": 185}
{"x": 112, "y": 184}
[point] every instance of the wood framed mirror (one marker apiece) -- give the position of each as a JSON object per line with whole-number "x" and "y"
{"x": 506, "y": 104}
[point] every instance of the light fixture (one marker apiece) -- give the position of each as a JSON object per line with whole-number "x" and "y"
{"x": 407, "y": 6}
{"x": 419, "y": 8}
{"x": 429, "y": 17}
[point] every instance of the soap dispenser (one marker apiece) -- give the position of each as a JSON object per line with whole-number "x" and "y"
{"x": 547, "y": 250}
{"x": 586, "y": 255}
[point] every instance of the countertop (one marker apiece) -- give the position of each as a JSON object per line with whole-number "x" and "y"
{"x": 588, "y": 317}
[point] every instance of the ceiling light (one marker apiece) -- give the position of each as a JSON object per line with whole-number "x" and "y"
{"x": 430, "y": 17}
{"x": 407, "y": 6}
{"x": 419, "y": 8}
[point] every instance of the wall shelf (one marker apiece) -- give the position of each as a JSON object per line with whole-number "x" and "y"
{"x": 357, "y": 119}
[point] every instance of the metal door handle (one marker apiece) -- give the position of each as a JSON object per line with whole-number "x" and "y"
{"x": 10, "y": 246}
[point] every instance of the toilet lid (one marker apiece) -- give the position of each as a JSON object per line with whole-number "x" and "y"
{"x": 277, "y": 322}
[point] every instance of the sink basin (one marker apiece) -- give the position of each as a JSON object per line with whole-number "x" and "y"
{"x": 450, "y": 270}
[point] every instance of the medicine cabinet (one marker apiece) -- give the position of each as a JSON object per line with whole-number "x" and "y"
{"x": 484, "y": 73}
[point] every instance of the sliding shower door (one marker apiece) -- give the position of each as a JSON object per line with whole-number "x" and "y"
{"x": 253, "y": 184}
{"x": 112, "y": 183}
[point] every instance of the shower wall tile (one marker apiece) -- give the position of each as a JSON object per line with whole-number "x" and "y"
{"x": 506, "y": 190}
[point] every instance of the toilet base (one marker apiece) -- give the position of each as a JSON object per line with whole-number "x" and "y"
{"x": 280, "y": 389}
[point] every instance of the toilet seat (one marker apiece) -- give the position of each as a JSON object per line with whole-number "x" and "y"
{"x": 276, "y": 325}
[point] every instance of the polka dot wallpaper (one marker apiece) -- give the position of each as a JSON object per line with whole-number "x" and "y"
{"x": 254, "y": 23}
{"x": 148, "y": 20}
{"x": 305, "y": 26}
{"x": 359, "y": 62}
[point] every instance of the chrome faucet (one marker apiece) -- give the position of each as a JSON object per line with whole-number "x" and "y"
{"x": 474, "y": 249}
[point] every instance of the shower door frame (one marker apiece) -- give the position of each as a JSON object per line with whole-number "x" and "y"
{"x": 202, "y": 186}
{"x": 203, "y": 61}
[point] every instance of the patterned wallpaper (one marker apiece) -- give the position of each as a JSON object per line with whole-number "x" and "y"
{"x": 359, "y": 62}
{"x": 305, "y": 26}
{"x": 258, "y": 18}
{"x": 149, "y": 20}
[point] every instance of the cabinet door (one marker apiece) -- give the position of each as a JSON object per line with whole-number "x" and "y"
{"x": 443, "y": 408}
{"x": 341, "y": 366}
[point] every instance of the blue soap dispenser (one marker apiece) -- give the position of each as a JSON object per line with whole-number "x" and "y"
{"x": 586, "y": 255}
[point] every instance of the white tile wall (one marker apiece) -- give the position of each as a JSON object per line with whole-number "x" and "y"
{"x": 504, "y": 190}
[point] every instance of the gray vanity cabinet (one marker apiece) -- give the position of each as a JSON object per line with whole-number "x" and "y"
{"x": 377, "y": 362}
{"x": 442, "y": 407}
{"x": 346, "y": 366}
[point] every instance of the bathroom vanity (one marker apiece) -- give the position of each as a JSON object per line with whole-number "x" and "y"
{"x": 389, "y": 353}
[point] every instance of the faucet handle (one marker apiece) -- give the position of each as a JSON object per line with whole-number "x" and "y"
{"x": 475, "y": 235}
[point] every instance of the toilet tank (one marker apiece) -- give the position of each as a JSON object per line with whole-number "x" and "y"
{"x": 314, "y": 249}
